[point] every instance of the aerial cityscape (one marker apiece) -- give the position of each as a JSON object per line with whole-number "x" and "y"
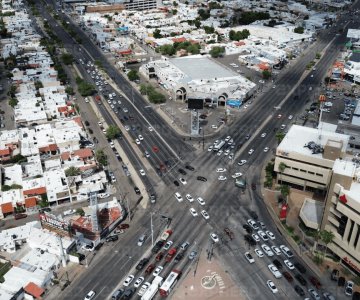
{"x": 179, "y": 149}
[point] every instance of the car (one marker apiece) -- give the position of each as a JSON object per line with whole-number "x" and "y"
{"x": 137, "y": 141}
{"x": 205, "y": 214}
{"x": 288, "y": 277}
{"x": 125, "y": 110}
{"x": 277, "y": 264}
{"x": 259, "y": 253}
{"x": 274, "y": 270}
{"x": 179, "y": 257}
{"x": 193, "y": 212}
{"x": 270, "y": 234}
{"x": 266, "y": 149}
{"x": 219, "y": 152}
{"x": 262, "y": 225}
{"x": 138, "y": 282}
{"x": 349, "y": 288}
{"x": 158, "y": 270}
{"x": 231, "y": 156}
{"x": 178, "y": 197}
{"x": 168, "y": 245}
{"x": 276, "y": 250}
{"x": 201, "y": 178}
{"x": 183, "y": 181}
{"x": 247, "y": 137}
{"x": 214, "y": 237}
{"x": 279, "y": 116}
{"x": 191, "y": 168}
{"x": 192, "y": 255}
{"x": 140, "y": 137}
{"x": 112, "y": 238}
{"x": 286, "y": 251}
{"x": 128, "y": 280}
{"x": 315, "y": 282}
{"x": 283, "y": 126}
{"x": 88, "y": 247}
{"x": 249, "y": 239}
{"x": 236, "y": 175}
{"x": 263, "y": 236}
{"x": 137, "y": 190}
{"x": 300, "y": 267}
{"x": 242, "y": 162}
{"x": 289, "y": 264}
{"x": 290, "y": 117}
{"x": 181, "y": 171}
{"x": 189, "y": 198}
{"x": 301, "y": 279}
{"x": 226, "y": 152}
{"x": 249, "y": 258}
{"x": 150, "y": 128}
{"x": 146, "y": 153}
{"x": 267, "y": 250}
{"x": 127, "y": 128}
{"x": 90, "y": 295}
{"x": 328, "y": 296}
{"x": 141, "y": 240}
{"x": 229, "y": 233}
{"x": 143, "y": 288}
{"x": 247, "y": 228}
{"x": 159, "y": 256}
{"x": 263, "y": 134}
{"x": 142, "y": 172}
{"x": 314, "y": 294}
{"x": 201, "y": 201}
{"x": 299, "y": 290}
{"x": 253, "y": 224}
{"x": 272, "y": 286}
{"x": 220, "y": 170}
{"x": 256, "y": 237}
{"x": 176, "y": 183}
{"x": 222, "y": 178}
{"x": 253, "y": 215}
{"x": 149, "y": 269}
{"x": 214, "y": 126}
{"x": 251, "y": 151}
{"x": 228, "y": 138}
{"x": 210, "y": 148}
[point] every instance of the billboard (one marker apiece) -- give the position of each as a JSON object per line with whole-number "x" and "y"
{"x": 195, "y": 103}
{"x": 234, "y": 103}
{"x": 54, "y": 223}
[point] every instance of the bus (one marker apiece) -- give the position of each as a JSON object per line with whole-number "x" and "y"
{"x": 219, "y": 145}
{"x": 169, "y": 283}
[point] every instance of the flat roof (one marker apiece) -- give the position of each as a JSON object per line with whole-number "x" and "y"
{"x": 312, "y": 211}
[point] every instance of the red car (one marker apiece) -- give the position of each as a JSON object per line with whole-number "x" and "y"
{"x": 229, "y": 233}
{"x": 123, "y": 226}
{"x": 20, "y": 216}
{"x": 315, "y": 282}
{"x": 170, "y": 254}
{"x": 159, "y": 256}
{"x": 149, "y": 269}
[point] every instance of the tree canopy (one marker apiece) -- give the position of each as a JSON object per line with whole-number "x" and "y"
{"x": 217, "y": 51}
{"x": 133, "y": 75}
{"x": 112, "y": 132}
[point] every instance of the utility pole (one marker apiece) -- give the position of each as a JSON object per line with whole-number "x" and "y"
{"x": 203, "y": 138}
{"x": 152, "y": 230}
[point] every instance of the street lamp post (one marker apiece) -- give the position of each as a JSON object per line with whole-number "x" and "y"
{"x": 152, "y": 230}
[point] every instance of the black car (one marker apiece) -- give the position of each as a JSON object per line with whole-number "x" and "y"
{"x": 137, "y": 191}
{"x": 301, "y": 279}
{"x": 81, "y": 256}
{"x": 247, "y": 228}
{"x": 299, "y": 290}
{"x": 253, "y": 215}
{"x": 201, "y": 178}
{"x": 250, "y": 240}
{"x": 247, "y": 137}
{"x": 341, "y": 281}
{"x": 142, "y": 263}
{"x": 112, "y": 238}
{"x": 176, "y": 183}
{"x": 189, "y": 168}
{"x": 277, "y": 264}
{"x": 179, "y": 257}
{"x": 182, "y": 171}
{"x": 157, "y": 247}
{"x": 128, "y": 294}
{"x": 300, "y": 267}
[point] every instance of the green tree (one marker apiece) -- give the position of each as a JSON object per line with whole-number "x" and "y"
{"x": 80, "y": 211}
{"x": 279, "y": 136}
{"x": 204, "y": 14}
{"x": 38, "y": 85}
{"x": 167, "y": 50}
{"x": 299, "y": 30}
{"x": 285, "y": 191}
{"x": 174, "y": 11}
{"x": 317, "y": 55}
{"x": 217, "y": 51}
{"x": 15, "y": 186}
{"x": 193, "y": 49}
{"x": 209, "y": 29}
{"x": 175, "y": 3}
{"x": 5, "y": 188}
{"x": 112, "y": 132}
{"x": 133, "y": 75}
{"x": 72, "y": 171}
{"x": 101, "y": 157}
{"x": 13, "y": 102}
{"x": 157, "y": 34}
{"x": 266, "y": 74}
{"x": 327, "y": 237}
{"x": 145, "y": 88}
{"x": 197, "y": 23}
{"x": 67, "y": 58}
{"x": 69, "y": 90}
{"x": 248, "y": 17}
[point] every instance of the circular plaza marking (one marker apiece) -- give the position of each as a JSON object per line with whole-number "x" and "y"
{"x": 208, "y": 282}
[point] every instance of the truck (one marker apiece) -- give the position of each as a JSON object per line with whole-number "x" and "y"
{"x": 166, "y": 234}
{"x": 219, "y": 145}
{"x": 153, "y": 288}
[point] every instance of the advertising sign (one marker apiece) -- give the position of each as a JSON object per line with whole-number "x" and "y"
{"x": 235, "y": 103}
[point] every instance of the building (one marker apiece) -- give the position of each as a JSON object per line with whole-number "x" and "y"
{"x": 342, "y": 213}
{"x": 305, "y": 157}
{"x": 136, "y": 4}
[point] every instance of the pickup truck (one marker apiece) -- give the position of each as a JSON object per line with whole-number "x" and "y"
{"x": 166, "y": 235}
{"x": 170, "y": 254}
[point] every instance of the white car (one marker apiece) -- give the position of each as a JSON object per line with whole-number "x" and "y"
{"x": 261, "y": 81}
{"x": 272, "y": 286}
{"x": 236, "y": 175}
{"x": 125, "y": 110}
{"x": 90, "y": 295}
{"x": 263, "y": 235}
{"x": 178, "y": 197}
{"x": 251, "y": 151}
{"x": 189, "y": 198}
{"x": 211, "y": 147}
{"x": 286, "y": 251}
{"x": 142, "y": 172}
{"x": 275, "y": 271}
{"x": 147, "y": 154}
{"x": 158, "y": 270}
{"x": 267, "y": 250}
{"x": 228, "y": 138}
{"x": 150, "y": 128}
{"x": 183, "y": 181}
{"x": 88, "y": 247}
{"x": 219, "y": 152}
{"x": 168, "y": 245}
{"x": 266, "y": 149}
{"x": 128, "y": 280}
{"x": 99, "y": 123}
{"x": 283, "y": 126}
{"x": 276, "y": 250}
{"x": 231, "y": 156}
{"x": 290, "y": 117}
{"x": 289, "y": 264}
{"x": 220, "y": 170}
{"x": 103, "y": 195}
{"x": 348, "y": 289}
{"x": 249, "y": 257}
{"x": 222, "y": 178}
{"x": 143, "y": 288}
{"x": 270, "y": 234}
{"x": 205, "y": 214}
{"x": 86, "y": 99}
{"x": 138, "y": 282}
{"x": 242, "y": 162}
{"x": 259, "y": 253}
{"x": 214, "y": 237}
{"x": 201, "y": 201}
{"x": 137, "y": 141}
{"x": 214, "y": 126}
{"x": 127, "y": 128}
{"x": 193, "y": 212}
{"x": 256, "y": 237}
{"x": 140, "y": 137}
{"x": 253, "y": 224}
{"x": 263, "y": 134}
{"x": 226, "y": 152}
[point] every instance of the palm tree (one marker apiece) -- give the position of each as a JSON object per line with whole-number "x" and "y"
{"x": 72, "y": 171}
{"x": 279, "y": 136}
{"x": 285, "y": 191}
{"x": 327, "y": 237}
{"x": 282, "y": 166}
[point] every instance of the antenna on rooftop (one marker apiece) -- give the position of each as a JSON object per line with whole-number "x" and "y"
{"x": 63, "y": 257}
{"x": 94, "y": 208}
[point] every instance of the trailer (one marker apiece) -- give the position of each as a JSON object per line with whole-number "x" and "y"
{"x": 153, "y": 288}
